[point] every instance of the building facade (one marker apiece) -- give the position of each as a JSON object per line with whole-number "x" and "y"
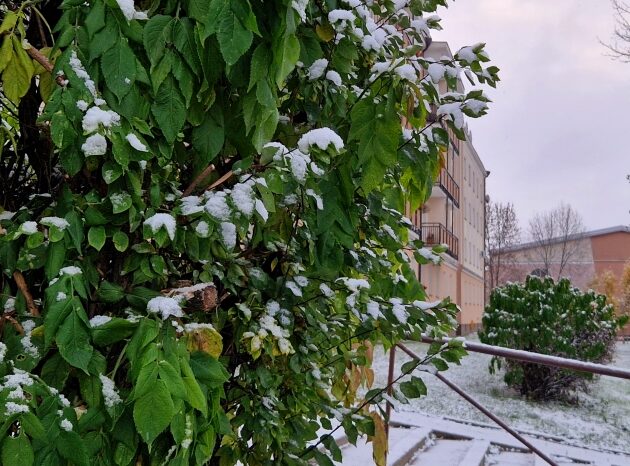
{"x": 455, "y": 215}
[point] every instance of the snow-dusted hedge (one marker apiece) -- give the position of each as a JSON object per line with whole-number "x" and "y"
{"x": 549, "y": 318}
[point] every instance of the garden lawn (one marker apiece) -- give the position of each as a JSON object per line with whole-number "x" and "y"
{"x": 601, "y": 419}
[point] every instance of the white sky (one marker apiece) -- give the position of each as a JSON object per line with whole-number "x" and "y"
{"x": 559, "y": 125}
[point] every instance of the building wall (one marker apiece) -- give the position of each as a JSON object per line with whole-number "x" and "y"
{"x": 611, "y": 252}
{"x": 460, "y": 276}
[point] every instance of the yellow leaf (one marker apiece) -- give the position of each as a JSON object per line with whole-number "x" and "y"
{"x": 6, "y": 52}
{"x": 379, "y": 440}
{"x": 18, "y": 73}
{"x": 204, "y": 339}
{"x": 325, "y": 32}
{"x": 46, "y": 85}
{"x": 9, "y": 22}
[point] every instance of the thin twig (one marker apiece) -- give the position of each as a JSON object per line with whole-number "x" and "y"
{"x": 221, "y": 180}
{"x": 198, "y": 179}
{"x": 16, "y": 325}
{"x": 21, "y": 284}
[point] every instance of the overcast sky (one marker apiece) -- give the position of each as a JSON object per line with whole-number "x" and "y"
{"x": 559, "y": 125}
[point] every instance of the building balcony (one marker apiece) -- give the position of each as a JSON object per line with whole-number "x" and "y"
{"x": 447, "y": 183}
{"x": 436, "y": 233}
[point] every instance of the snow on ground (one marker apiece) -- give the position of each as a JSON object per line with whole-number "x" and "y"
{"x": 601, "y": 420}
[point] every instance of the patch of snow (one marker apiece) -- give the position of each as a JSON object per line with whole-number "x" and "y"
{"x": 165, "y": 306}
{"x": 136, "y": 143}
{"x": 70, "y": 270}
{"x": 217, "y": 206}
{"x": 96, "y": 116}
{"x": 157, "y": 221}
{"x": 110, "y": 395}
{"x": 320, "y": 137}
{"x": 316, "y": 70}
{"x": 99, "y": 320}
{"x": 96, "y": 144}
{"x": 28, "y": 228}
{"x": 228, "y": 234}
{"x": 58, "y": 222}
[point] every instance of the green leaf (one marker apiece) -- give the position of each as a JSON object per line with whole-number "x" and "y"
{"x": 56, "y": 313}
{"x": 55, "y": 371}
{"x": 121, "y": 202}
{"x": 153, "y": 412}
{"x": 111, "y": 171}
{"x": 259, "y": 69}
{"x": 409, "y": 366}
{"x": 413, "y": 388}
{"x": 75, "y": 229}
{"x": 72, "y": 448}
{"x": 208, "y": 370}
{"x": 169, "y": 109}
{"x": 33, "y": 426}
{"x": 208, "y": 138}
{"x": 112, "y": 331}
{"x": 55, "y": 257}
{"x": 96, "y": 237}
{"x": 110, "y": 292}
{"x": 17, "y": 450}
{"x": 172, "y": 378}
{"x": 119, "y": 68}
{"x": 73, "y": 340}
{"x": 95, "y": 19}
{"x": 121, "y": 241}
{"x": 234, "y": 39}
{"x": 377, "y": 131}
{"x": 156, "y": 34}
{"x": 286, "y": 55}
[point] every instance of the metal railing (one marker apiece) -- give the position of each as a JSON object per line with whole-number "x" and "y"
{"x": 448, "y": 185}
{"x": 436, "y": 233}
{"x": 518, "y": 355}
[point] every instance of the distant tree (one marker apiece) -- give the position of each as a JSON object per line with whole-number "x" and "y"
{"x": 555, "y": 233}
{"x": 624, "y": 291}
{"x": 502, "y": 232}
{"x": 606, "y": 284}
{"x": 620, "y": 45}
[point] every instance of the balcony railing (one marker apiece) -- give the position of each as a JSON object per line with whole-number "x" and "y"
{"x": 449, "y": 186}
{"x": 436, "y": 233}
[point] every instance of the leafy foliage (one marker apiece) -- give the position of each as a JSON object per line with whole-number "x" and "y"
{"x": 204, "y": 233}
{"x": 549, "y": 318}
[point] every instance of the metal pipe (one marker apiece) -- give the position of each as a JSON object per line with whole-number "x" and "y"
{"x": 537, "y": 358}
{"x": 474, "y": 402}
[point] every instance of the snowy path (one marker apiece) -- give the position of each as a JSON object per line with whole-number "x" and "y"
{"x": 600, "y": 420}
{"x": 422, "y": 440}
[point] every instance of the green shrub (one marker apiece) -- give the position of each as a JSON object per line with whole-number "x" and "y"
{"x": 549, "y": 318}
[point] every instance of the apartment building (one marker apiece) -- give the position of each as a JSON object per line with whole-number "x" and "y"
{"x": 455, "y": 215}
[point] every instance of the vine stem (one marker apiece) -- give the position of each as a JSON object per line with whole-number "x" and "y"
{"x": 21, "y": 284}
{"x": 209, "y": 169}
{"x": 48, "y": 66}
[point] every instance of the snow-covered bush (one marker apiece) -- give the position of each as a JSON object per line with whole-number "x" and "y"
{"x": 549, "y": 318}
{"x": 202, "y": 230}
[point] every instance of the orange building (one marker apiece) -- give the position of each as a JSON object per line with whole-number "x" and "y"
{"x": 455, "y": 216}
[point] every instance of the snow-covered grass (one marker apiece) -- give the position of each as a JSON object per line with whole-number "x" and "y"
{"x": 601, "y": 419}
